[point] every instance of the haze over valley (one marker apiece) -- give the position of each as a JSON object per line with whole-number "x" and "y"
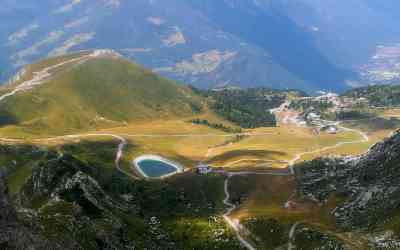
{"x": 216, "y": 43}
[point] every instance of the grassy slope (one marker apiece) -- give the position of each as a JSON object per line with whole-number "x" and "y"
{"x": 34, "y": 67}
{"x": 17, "y": 161}
{"x": 115, "y": 89}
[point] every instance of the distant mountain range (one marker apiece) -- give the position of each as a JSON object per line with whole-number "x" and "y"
{"x": 304, "y": 44}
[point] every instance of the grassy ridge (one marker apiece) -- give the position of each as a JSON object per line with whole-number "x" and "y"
{"x": 99, "y": 93}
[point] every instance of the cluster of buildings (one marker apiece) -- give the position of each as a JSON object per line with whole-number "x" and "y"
{"x": 340, "y": 102}
{"x": 314, "y": 119}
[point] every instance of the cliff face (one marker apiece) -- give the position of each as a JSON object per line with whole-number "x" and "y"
{"x": 370, "y": 183}
{"x": 8, "y": 217}
{"x": 72, "y": 208}
{"x": 62, "y": 207}
{"x": 66, "y": 178}
{"x": 13, "y": 234}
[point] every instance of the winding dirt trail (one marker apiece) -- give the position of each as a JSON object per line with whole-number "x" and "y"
{"x": 291, "y": 235}
{"x": 298, "y": 156}
{"x": 262, "y": 162}
{"x": 39, "y": 77}
{"x": 118, "y": 155}
{"x": 235, "y": 225}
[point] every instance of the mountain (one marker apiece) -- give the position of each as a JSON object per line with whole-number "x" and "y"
{"x": 273, "y": 43}
{"x": 88, "y": 91}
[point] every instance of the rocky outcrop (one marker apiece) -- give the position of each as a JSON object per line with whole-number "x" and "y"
{"x": 65, "y": 177}
{"x": 8, "y": 216}
{"x": 370, "y": 183}
{"x": 13, "y": 234}
{"x": 71, "y": 209}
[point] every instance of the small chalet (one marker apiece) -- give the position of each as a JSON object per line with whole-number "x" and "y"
{"x": 203, "y": 169}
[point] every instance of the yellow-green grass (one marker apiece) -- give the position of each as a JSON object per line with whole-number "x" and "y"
{"x": 100, "y": 93}
{"x": 351, "y": 149}
{"x": 391, "y": 112}
{"x": 178, "y": 138}
{"x": 277, "y": 144}
{"x": 267, "y": 147}
{"x": 42, "y": 64}
{"x": 242, "y": 158}
{"x": 170, "y": 126}
{"x": 266, "y": 197}
{"x": 188, "y": 151}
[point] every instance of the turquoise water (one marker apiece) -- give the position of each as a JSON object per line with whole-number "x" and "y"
{"x": 156, "y": 169}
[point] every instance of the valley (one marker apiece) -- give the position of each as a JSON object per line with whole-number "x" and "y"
{"x": 199, "y": 125}
{"x": 82, "y": 131}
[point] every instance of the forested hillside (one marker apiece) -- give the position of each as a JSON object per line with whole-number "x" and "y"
{"x": 379, "y": 96}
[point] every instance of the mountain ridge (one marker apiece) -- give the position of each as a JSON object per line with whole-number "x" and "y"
{"x": 278, "y": 44}
{"x": 92, "y": 89}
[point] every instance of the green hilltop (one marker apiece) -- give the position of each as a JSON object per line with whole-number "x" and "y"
{"x": 96, "y": 92}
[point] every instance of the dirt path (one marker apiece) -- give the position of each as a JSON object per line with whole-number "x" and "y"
{"x": 262, "y": 162}
{"x": 39, "y": 77}
{"x": 291, "y": 236}
{"x": 61, "y": 137}
{"x": 118, "y": 155}
{"x": 235, "y": 225}
{"x": 298, "y": 156}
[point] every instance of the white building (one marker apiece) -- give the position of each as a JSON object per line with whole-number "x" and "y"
{"x": 330, "y": 129}
{"x": 203, "y": 169}
{"x": 313, "y": 116}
